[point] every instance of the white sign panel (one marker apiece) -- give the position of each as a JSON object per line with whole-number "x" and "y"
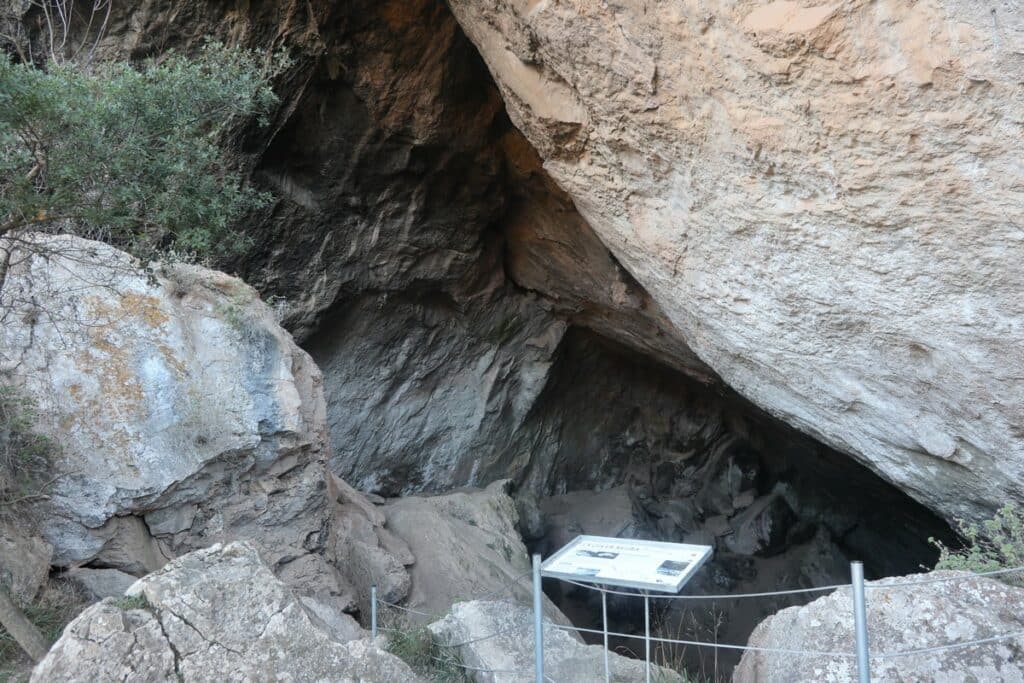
{"x": 627, "y": 562}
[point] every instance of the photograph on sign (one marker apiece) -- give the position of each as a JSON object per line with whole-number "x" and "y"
{"x": 630, "y": 563}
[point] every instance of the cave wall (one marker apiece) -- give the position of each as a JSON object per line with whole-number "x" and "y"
{"x": 688, "y": 453}
{"x": 420, "y": 249}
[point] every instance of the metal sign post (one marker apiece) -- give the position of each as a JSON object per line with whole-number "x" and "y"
{"x": 373, "y": 610}
{"x": 538, "y": 622}
{"x": 647, "y": 637}
{"x": 860, "y": 622}
{"x": 604, "y": 627}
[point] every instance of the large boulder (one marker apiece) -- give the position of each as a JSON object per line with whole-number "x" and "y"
{"x": 902, "y": 616}
{"x": 217, "y": 614}
{"x": 824, "y": 199}
{"x": 184, "y": 412}
{"x": 466, "y": 545}
{"x": 497, "y": 636}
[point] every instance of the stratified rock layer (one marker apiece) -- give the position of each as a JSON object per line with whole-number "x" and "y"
{"x": 216, "y": 614}
{"x": 901, "y": 617}
{"x": 825, "y": 200}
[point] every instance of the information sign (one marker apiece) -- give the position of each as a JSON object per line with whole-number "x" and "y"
{"x": 627, "y": 562}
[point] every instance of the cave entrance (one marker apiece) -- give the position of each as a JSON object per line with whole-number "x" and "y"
{"x": 645, "y": 452}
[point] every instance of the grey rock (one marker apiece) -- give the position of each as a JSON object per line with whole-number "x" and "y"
{"x": 106, "y": 644}
{"x": 531, "y": 518}
{"x": 216, "y": 614}
{"x": 901, "y": 617}
{"x": 719, "y": 525}
{"x": 466, "y": 545}
{"x": 101, "y": 583}
{"x": 177, "y": 399}
{"x": 338, "y": 625}
{"x": 415, "y": 391}
{"x": 762, "y": 528}
{"x": 598, "y": 513}
{"x": 566, "y": 659}
{"x": 24, "y": 562}
{"x": 366, "y": 554}
{"x": 744, "y": 499}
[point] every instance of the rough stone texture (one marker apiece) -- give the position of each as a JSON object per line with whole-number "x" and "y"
{"x": 24, "y": 562}
{"x": 216, "y": 614}
{"x": 466, "y": 545}
{"x": 185, "y": 414}
{"x": 366, "y": 553}
{"x": 418, "y": 388}
{"x": 824, "y": 199}
{"x": 409, "y": 216}
{"x": 900, "y": 618}
{"x": 105, "y": 643}
{"x": 565, "y": 659}
{"x": 101, "y": 583}
{"x": 338, "y": 625}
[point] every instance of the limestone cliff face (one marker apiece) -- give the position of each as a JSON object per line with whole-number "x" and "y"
{"x": 824, "y": 199}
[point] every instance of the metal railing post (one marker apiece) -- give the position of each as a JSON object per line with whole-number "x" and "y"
{"x": 538, "y": 622}
{"x": 647, "y": 636}
{"x": 860, "y": 622}
{"x": 604, "y": 627}
{"x": 373, "y": 610}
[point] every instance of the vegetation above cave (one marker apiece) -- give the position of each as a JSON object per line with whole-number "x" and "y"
{"x": 130, "y": 155}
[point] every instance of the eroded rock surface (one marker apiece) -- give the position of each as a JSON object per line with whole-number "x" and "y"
{"x": 184, "y": 413}
{"x": 216, "y": 614}
{"x": 824, "y": 199}
{"x": 901, "y": 617}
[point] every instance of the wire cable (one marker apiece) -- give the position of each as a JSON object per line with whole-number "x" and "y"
{"x": 729, "y": 596}
{"x": 943, "y": 579}
{"x": 724, "y": 646}
{"x": 949, "y": 646}
{"x": 409, "y": 610}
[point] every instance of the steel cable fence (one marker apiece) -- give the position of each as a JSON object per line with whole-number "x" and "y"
{"x": 878, "y": 586}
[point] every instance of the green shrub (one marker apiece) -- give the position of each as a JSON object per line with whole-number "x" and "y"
{"x": 415, "y": 645}
{"x": 131, "y": 156}
{"x": 997, "y": 543}
{"x": 130, "y": 602}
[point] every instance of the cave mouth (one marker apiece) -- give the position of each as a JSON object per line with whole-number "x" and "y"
{"x": 463, "y": 314}
{"x": 649, "y": 453}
